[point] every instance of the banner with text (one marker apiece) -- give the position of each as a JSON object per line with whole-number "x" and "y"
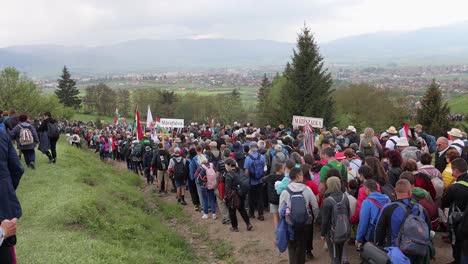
{"x": 172, "y": 123}
{"x": 303, "y": 120}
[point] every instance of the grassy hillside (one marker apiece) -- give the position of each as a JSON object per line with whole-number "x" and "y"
{"x": 82, "y": 211}
{"x": 459, "y": 104}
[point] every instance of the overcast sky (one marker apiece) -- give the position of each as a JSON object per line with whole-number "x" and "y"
{"x": 97, "y": 22}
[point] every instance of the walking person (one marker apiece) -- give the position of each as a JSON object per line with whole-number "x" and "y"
{"x": 254, "y": 166}
{"x": 26, "y": 137}
{"x": 335, "y": 228}
{"x": 10, "y": 208}
{"x": 236, "y": 185}
{"x": 50, "y": 134}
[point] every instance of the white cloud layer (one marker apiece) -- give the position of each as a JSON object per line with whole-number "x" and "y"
{"x": 97, "y": 22}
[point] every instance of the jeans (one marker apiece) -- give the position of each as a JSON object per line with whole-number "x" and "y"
{"x": 200, "y": 196}
{"x": 242, "y": 211}
{"x": 297, "y": 247}
{"x": 29, "y": 155}
{"x": 208, "y": 199}
{"x": 335, "y": 251}
{"x": 256, "y": 199}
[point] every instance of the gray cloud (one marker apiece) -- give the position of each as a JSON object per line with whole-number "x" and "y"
{"x": 95, "y": 22}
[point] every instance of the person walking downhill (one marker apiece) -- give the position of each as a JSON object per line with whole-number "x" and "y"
{"x": 254, "y": 167}
{"x": 335, "y": 228}
{"x": 179, "y": 171}
{"x": 11, "y": 171}
{"x": 50, "y": 134}
{"x": 26, "y": 137}
{"x": 237, "y": 186}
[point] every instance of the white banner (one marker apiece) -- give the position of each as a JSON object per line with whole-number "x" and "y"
{"x": 303, "y": 120}
{"x": 172, "y": 123}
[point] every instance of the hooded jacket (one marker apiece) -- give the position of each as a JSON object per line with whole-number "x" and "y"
{"x": 368, "y": 216}
{"x": 309, "y": 196}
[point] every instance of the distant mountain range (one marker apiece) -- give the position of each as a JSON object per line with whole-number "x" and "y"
{"x": 441, "y": 45}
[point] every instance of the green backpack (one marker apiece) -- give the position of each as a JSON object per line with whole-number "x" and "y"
{"x": 368, "y": 147}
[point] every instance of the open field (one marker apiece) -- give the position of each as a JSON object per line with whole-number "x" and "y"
{"x": 459, "y": 104}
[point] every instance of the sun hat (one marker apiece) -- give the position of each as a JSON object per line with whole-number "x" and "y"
{"x": 455, "y": 132}
{"x": 392, "y": 130}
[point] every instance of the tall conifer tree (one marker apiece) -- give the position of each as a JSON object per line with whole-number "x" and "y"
{"x": 66, "y": 90}
{"x": 308, "y": 89}
{"x": 433, "y": 114}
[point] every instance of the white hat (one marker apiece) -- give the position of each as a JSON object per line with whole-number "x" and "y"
{"x": 351, "y": 128}
{"x": 392, "y": 130}
{"x": 384, "y": 134}
{"x": 402, "y": 142}
{"x": 455, "y": 132}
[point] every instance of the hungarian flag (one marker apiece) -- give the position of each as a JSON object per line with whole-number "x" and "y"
{"x": 158, "y": 126}
{"x": 137, "y": 125}
{"x": 116, "y": 116}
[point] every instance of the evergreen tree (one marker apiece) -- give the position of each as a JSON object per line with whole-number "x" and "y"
{"x": 66, "y": 90}
{"x": 308, "y": 89}
{"x": 235, "y": 94}
{"x": 262, "y": 97}
{"x": 433, "y": 114}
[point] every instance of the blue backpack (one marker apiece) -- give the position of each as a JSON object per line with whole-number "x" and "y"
{"x": 414, "y": 237}
{"x": 258, "y": 165}
{"x": 299, "y": 213}
{"x": 431, "y": 143}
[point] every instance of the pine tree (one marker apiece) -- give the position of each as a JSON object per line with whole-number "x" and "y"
{"x": 261, "y": 98}
{"x": 308, "y": 89}
{"x": 66, "y": 90}
{"x": 433, "y": 114}
{"x": 235, "y": 94}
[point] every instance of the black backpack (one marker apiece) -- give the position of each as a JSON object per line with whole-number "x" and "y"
{"x": 180, "y": 170}
{"x": 242, "y": 182}
{"x": 53, "y": 130}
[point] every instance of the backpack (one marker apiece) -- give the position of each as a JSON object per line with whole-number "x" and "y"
{"x": 431, "y": 209}
{"x": 106, "y": 146}
{"x": 388, "y": 190}
{"x": 179, "y": 169}
{"x": 431, "y": 143}
{"x": 368, "y": 147}
{"x": 439, "y": 186}
{"x": 242, "y": 182}
{"x": 211, "y": 177}
{"x": 464, "y": 154}
{"x": 53, "y": 130}
{"x": 455, "y": 217}
{"x": 298, "y": 213}
{"x": 258, "y": 166}
{"x": 340, "y": 230}
{"x": 25, "y": 136}
{"x": 414, "y": 237}
{"x": 373, "y": 223}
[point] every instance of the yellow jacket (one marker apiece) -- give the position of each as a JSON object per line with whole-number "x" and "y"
{"x": 447, "y": 175}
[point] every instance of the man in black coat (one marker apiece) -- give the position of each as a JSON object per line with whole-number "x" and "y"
{"x": 457, "y": 194}
{"x": 11, "y": 171}
{"x": 440, "y": 159}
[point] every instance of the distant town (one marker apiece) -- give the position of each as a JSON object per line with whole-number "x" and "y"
{"x": 453, "y": 79}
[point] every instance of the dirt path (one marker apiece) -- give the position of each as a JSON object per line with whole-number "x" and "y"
{"x": 258, "y": 245}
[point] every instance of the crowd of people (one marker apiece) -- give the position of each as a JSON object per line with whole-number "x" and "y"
{"x": 382, "y": 192}
{"x": 368, "y": 189}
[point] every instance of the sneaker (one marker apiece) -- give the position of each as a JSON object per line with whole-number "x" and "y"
{"x": 249, "y": 227}
{"x": 54, "y": 160}
{"x": 214, "y": 217}
{"x": 32, "y": 166}
{"x": 204, "y": 216}
{"x": 183, "y": 202}
{"x": 197, "y": 208}
{"x": 261, "y": 218}
{"x": 234, "y": 229}
{"x": 226, "y": 222}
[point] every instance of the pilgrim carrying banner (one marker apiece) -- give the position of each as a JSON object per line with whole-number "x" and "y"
{"x": 300, "y": 121}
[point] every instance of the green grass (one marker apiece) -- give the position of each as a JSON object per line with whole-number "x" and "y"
{"x": 83, "y": 211}
{"x": 459, "y": 104}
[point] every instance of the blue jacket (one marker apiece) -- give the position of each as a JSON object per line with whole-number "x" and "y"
{"x": 11, "y": 171}
{"x": 368, "y": 216}
{"x": 390, "y": 220}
